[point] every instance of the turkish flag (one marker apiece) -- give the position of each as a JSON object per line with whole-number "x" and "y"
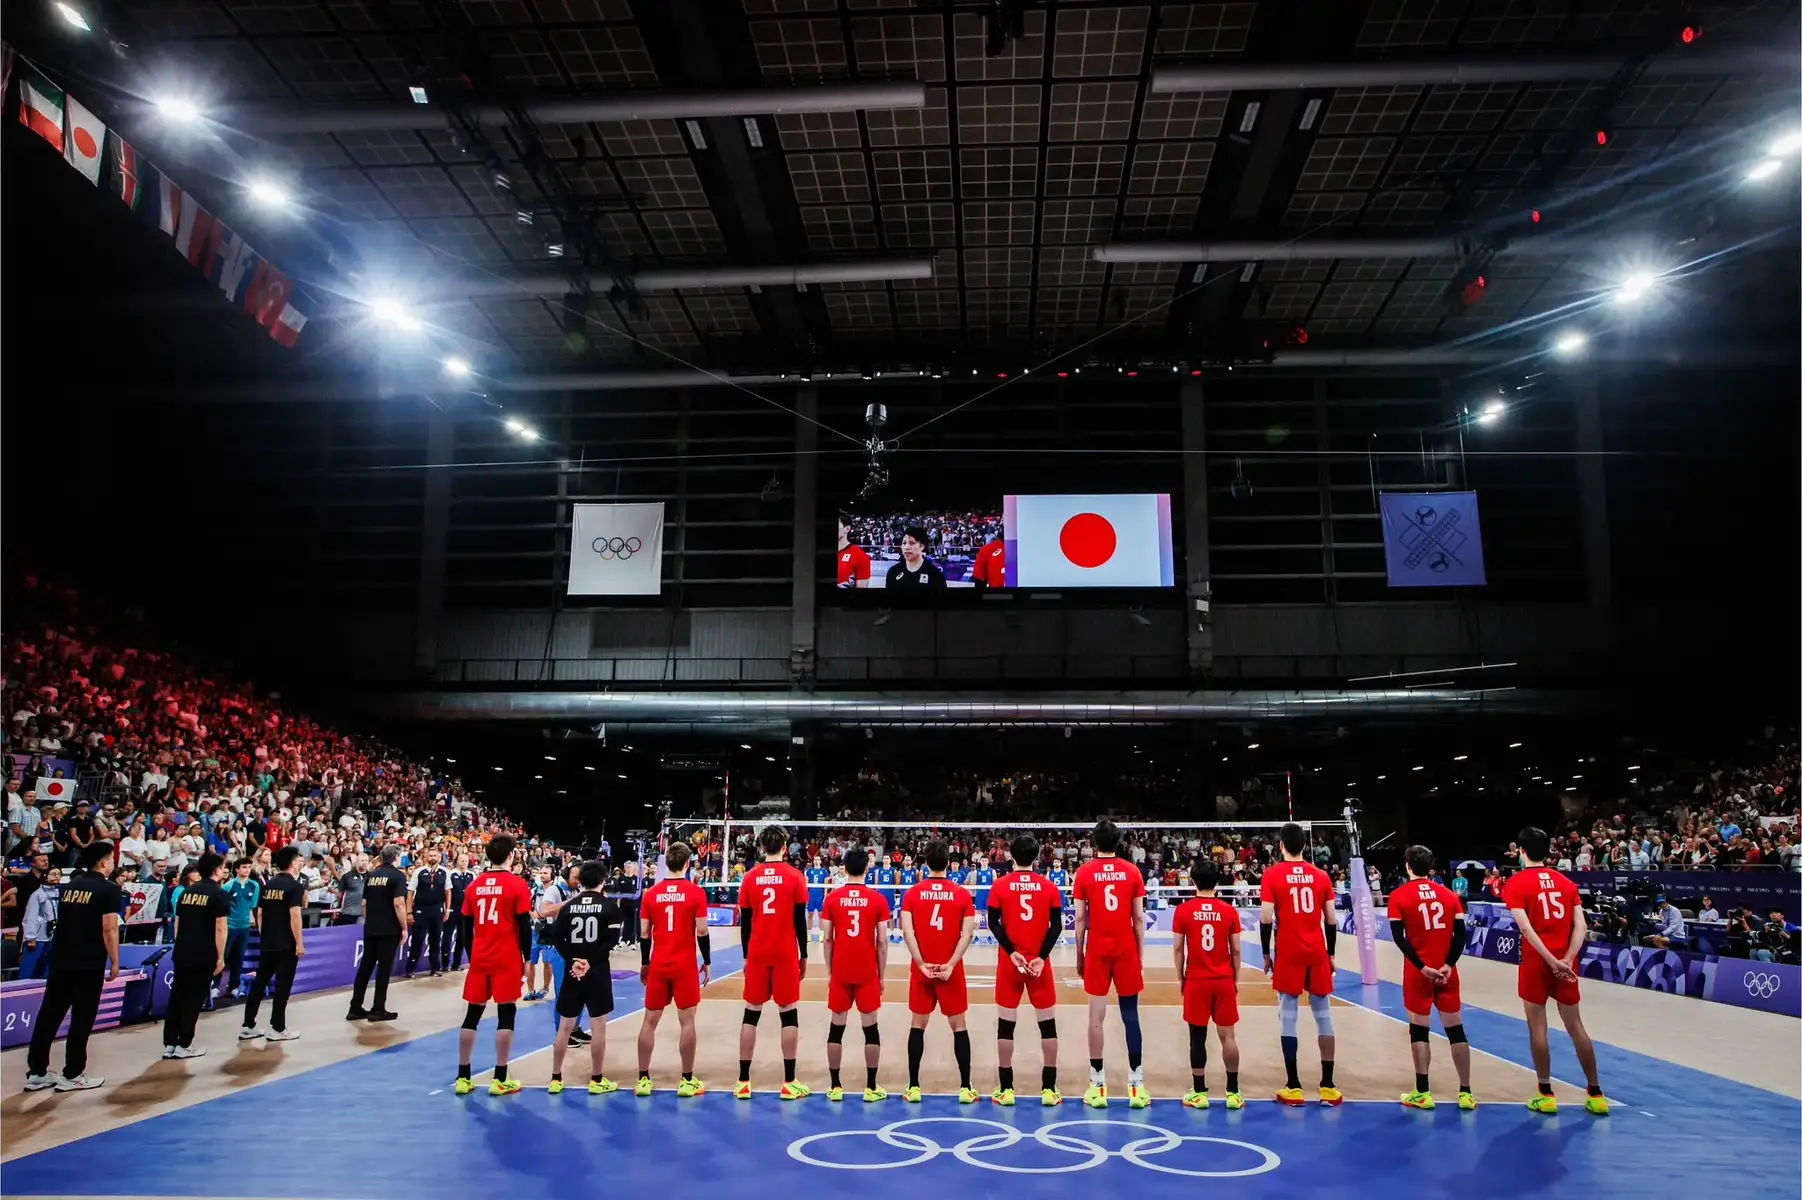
{"x": 1116, "y": 540}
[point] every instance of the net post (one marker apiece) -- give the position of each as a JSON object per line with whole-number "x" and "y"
{"x": 1364, "y": 909}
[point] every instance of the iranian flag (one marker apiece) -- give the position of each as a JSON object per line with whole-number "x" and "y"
{"x": 40, "y": 106}
{"x": 87, "y": 138}
{"x": 55, "y": 791}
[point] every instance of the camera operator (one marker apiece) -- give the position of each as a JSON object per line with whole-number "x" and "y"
{"x": 1776, "y": 937}
{"x": 1671, "y": 931}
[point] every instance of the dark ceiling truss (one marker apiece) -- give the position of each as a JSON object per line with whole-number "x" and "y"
{"x": 1012, "y": 169}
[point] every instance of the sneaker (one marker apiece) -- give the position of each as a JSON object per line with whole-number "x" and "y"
{"x": 1596, "y": 1105}
{"x": 1467, "y": 1102}
{"x": 1418, "y": 1099}
{"x": 1095, "y": 1096}
{"x": 1332, "y": 1097}
{"x": 580, "y": 1037}
{"x": 911, "y": 1095}
{"x": 1543, "y": 1104}
{"x": 835, "y": 1093}
{"x": 357, "y": 1013}
{"x": 1292, "y": 1096}
{"x": 795, "y": 1091}
{"x": 643, "y": 1086}
{"x": 436, "y": 974}
{"x": 1003, "y": 1096}
{"x": 189, "y": 1052}
{"x": 1195, "y": 1100}
{"x": 873, "y": 1095}
{"x": 37, "y": 1083}
{"x": 1235, "y": 1101}
{"x": 169, "y": 1052}
{"x": 463, "y": 1086}
{"x": 688, "y": 1089}
{"x": 1137, "y": 1096}
{"x": 602, "y": 1087}
{"x": 742, "y": 1091}
{"x": 249, "y": 1033}
{"x": 503, "y": 1087}
{"x": 556, "y": 1088}
{"x": 382, "y": 1014}
{"x": 1051, "y": 1098}
{"x": 79, "y": 1083}
{"x": 282, "y": 1035}
{"x": 967, "y": 1095}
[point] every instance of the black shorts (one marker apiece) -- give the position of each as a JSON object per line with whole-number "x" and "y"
{"x": 594, "y": 993}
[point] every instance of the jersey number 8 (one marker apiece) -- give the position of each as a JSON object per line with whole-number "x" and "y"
{"x": 1207, "y": 938}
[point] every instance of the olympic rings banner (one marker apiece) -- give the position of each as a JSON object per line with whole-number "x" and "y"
{"x": 616, "y": 550}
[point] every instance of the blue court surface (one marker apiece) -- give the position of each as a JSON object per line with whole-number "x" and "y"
{"x": 386, "y": 1125}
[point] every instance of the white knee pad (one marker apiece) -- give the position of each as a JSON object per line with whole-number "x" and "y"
{"x": 1322, "y": 1008}
{"x": 1289, "y": 1009}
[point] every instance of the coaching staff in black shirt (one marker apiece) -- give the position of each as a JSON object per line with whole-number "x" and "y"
{"x": 279, "y": 953}
{"x": 915, "y": 572}
{"x": 199, "y": 955}
{"x": 384, "y": 921}
{"x": 84, "y": 955}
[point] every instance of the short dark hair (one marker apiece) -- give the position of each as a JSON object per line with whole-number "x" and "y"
{"x": 95, "y": 853}
{"x": 676, "y": 857}
{"x": 1534, "y": 842}
{"x": 284, "y": 858}
{"x": 589, "y": 875}
{"x": 773, "y": 840}
{"x": 916, "y": 533}
{"x": 209, "y": 862}
{"x": 1105, "y": 836}
{"x": 390, "y": 854}
{"x": 500, "y": 849}
{"x": 1419, "y": 860}
{"x": 1205, "y": 874}
{"x": 857, "y": 860}
{"x": 937, "y": 856}
{"x": 1024, "y": 850}
{"x": 1294, "y": 837}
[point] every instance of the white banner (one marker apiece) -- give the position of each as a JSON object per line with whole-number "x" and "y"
{"x": 616, "y": 550}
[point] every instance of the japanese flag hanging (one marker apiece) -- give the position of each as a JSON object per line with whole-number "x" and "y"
{"x": 55, "y": 791}
{"x": 86, "y": 140}
{"x": 616, "y": 550}
{"x": 1119, "y": 540}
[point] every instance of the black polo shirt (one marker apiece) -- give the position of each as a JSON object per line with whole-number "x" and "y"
{"x": 80, "y": 916}
{"x": 281, "y": 896}
{"x": 196, "y": 912}
{"x": 380, "y": 890}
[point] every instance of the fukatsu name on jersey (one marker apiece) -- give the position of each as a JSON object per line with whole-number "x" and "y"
{"x": 854, "y": 900}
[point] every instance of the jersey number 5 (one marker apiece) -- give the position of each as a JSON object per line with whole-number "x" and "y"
{"x": 1026, "y": 908}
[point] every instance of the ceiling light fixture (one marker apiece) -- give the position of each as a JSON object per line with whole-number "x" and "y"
{"x": 178, "y": 109}
{"x": 74, "y": 18}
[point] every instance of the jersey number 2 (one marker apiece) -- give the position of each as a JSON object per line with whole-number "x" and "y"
{"x": 769, "y": 902}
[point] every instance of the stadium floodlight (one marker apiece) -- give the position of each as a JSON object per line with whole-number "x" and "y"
{"x": 1634, "y": 287}
{"x": 1571, "y": 344}
{"x": 178, "y": 109}
{"x": 456, "y": 368}
{"x": 393, "y": 313}
{"x": 1492, "y": 412}
{"x": 514, "y": 425}
{"x": 1764, "y": 170}
{"x": 268, "y": 194}
{"x": 1789, "y": 143}
{"x": 74, "y": 18}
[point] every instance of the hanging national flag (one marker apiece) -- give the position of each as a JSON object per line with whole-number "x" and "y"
{"x": 288, "y": 325}
{"x": 126, "y": 183}
{"x": 169, "y": 204}
{"x": 268, "y": 295}
{"x": 41, "y": 106}
{"x": 191, "y": 228}
{"x": 228, "y": 260}
{"x": 87, "y": 138}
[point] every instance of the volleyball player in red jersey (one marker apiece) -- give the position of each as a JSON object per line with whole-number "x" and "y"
{"x": 990, "y": 569}
{"x": 1553, "y": 929}
{"x": 497, "y": 928}
{"x": 1109, "y": 893}
{"x": 1298, "y": 900}
{"x": 938, "y": 919}
{"x": 1026, "y": 915}
{"x": 853, "y": 563}
{"x": 854, "y": 931}
{"x": 672, "y": 924}
{"x": 1205, "y": 945}
{"x": 1427, "y": 922}
{"x": 772, "y": 914}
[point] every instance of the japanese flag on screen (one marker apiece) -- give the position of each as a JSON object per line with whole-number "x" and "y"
{"x": 1120, "y": 540}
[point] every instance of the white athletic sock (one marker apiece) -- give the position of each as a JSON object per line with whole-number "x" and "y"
{"x": 1098, "y": 1078}
{"x": 1137, "y": 1077}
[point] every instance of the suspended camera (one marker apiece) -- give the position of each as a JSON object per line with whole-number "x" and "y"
{"x": 876, "y": 451}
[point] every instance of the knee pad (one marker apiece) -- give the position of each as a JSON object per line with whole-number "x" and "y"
{"x": 872, "y": 1034}
{"x": 1322, "y": 1008}
{"x": 1455, "y": 1035}
{"x": 835, "y": 1035}
{"x": 1289, "y": 1010}
{"x": 1004, "y": 1030}
{"x": 790, "y": 1018}
{"x": 1048, "y": 1029}
{"x": 752, "y": 1016}
{"x": 1418, "y": 1033}
{"x": 505, "y": 1014}
{"x": 472, "y": 1016}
